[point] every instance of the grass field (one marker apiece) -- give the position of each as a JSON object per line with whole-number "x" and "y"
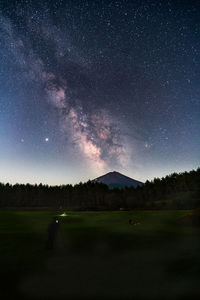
{"x": 98, "y": 255}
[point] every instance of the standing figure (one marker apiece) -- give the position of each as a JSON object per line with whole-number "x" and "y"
{"x": 52, "y": 233}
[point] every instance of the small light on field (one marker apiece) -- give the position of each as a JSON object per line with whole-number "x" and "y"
{"x": 63, "y": 215}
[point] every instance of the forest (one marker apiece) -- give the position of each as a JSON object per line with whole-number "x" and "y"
{"x": 175, "y": 191}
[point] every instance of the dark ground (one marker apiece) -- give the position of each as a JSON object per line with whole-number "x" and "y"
{"x": 99, "y": 255}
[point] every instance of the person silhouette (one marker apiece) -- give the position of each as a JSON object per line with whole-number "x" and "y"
{"x": 131, "y": 222}
{"x": 52, "y": 233}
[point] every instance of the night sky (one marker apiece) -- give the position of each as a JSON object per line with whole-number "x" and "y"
{"x": 88, "y": 87}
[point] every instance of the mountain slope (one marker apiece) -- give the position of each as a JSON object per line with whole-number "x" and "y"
{"x": 116, "y": 179}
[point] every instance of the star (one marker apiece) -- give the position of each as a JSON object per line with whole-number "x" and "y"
{"x": 147, "y": 145}
{"x": 115, "y": 84}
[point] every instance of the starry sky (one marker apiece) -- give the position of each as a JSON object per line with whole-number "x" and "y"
{"x": 88, "y": 87}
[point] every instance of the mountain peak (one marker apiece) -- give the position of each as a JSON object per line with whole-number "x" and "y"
{"x": 116, "y": 179}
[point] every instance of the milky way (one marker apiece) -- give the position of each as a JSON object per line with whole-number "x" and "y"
{"x": 93, "y": 86}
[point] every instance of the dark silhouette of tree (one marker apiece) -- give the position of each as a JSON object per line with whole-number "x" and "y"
{"x": 175, "y": 191}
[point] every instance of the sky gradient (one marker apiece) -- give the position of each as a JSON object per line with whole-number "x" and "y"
{"x": 88, "y": 87}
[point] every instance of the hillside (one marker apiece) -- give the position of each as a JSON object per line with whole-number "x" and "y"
{"x": 116, "y": 179}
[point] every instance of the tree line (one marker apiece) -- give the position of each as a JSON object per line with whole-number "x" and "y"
{"x": 175, "y": 191}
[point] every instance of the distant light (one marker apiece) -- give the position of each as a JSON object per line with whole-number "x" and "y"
{"x": 63, "y": 215}
{"x": 56, "y": 221}
{"x": 46, "y": 139}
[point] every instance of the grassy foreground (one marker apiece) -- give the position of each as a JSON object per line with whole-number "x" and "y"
{"x": 98, "y": 255}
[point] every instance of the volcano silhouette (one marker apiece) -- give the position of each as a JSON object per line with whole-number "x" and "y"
{"x": 116, "y": 179}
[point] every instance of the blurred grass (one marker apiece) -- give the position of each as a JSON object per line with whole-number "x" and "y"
{"x": 98, "y": 255}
